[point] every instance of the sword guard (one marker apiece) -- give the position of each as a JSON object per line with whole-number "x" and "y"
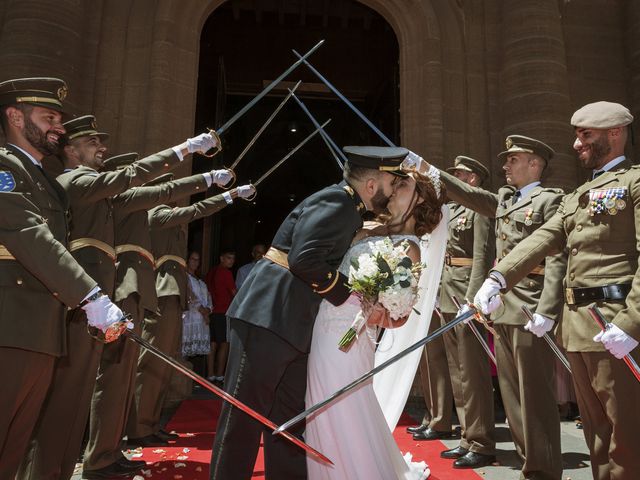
{"x": 479, "y": 316}
{"x": 218, "y": 147}
{"x": 252, "y": 197}
{"x": 113, "y": 332}
{"x": 232, "y": 182}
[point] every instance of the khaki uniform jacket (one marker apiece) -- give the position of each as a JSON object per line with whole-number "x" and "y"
{"x": 515, "y": 222}
{"x": 43, "y": 278}
{"x": 470, "y": 237}
{"x": 134, "y": 272}
{"x": 89, "y": 193}
{"x": 603, "y": 250}
{"x": 169, "y": 238}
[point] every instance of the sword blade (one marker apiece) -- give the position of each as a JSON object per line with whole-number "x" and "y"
{"x": 331, "y": 145}
{"x": 264, "y": 126}
{"x": 597, "y": 315}
{"x": 222, "y": 394}
{"x": 345, "y": 100}
{"x": 297, "y": 147}
{"x": 561, "y": 356}
{"x": 267, "y": 89}
{"x": 333, "y": 397}
{"x": 476, "y": 332}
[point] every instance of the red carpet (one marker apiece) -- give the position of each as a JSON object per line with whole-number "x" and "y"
{"x": 188, "y": 458}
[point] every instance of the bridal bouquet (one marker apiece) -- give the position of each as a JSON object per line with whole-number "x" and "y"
{"x": 386, "y": 276}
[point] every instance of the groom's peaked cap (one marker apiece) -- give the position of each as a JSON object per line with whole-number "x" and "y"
{"x": 386, "y": 159}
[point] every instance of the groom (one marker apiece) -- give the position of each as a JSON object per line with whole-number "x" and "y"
{"x": 271, "y": 318}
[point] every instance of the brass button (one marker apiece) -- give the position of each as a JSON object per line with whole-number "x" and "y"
{"x": 55, "y": 294}
{"x": 197, "y": 187}
{"x": 19, "y": 281}
{"x": 504, "y": 253}
{"x": 572, "y": 276}
{"x": 139, "y": 262}
{"x": 579, "y": 228}
{"x": 504, "y": 236}
{"x": 166, "y": 165}
{"x": 574, "y": 251}
{"x": 506, "y": 220}
{"x": 531, "y": 284}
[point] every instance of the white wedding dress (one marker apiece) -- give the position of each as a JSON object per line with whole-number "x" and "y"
{"x": 352, "y": 431}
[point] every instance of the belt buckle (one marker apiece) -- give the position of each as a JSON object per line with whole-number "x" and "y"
{"x": 568, "y": 294}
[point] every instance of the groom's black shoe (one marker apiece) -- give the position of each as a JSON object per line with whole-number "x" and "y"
{"x": 454, "y": 453}
{"x": 431, "y": 434}
{"x": 474, "y": 460}
{"x": 417, "y": 428}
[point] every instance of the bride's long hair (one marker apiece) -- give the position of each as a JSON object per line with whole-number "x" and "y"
{"x": 428, "y": 213}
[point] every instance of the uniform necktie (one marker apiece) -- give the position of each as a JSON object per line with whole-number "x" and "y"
{"x": 516, "y": 197}
{"x": 597, "y": 174}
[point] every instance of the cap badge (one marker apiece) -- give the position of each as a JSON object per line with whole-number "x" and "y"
{"x": 94, "y": 125}
{"x": 62, "y": 93}
{"x": 508, "y": 143}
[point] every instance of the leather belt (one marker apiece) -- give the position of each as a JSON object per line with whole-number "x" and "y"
{"x": 539, "y": 270}
{"x": 278, "y": 257}
{"x": 580, "y": 295}
{"x": 129, "y": 247}
{"x": 458, "y": 261}
{"x": 79, "y": 243}
{"x": 173, "y": 258}
{"x": 5, "y": 254}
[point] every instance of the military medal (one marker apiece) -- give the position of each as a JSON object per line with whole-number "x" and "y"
{"x": 527, "y": 217}
{"x": 607, "y": 200}
{"x": 460, "y": 223}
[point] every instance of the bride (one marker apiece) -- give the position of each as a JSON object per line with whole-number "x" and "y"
{"x": 353, "y": 431}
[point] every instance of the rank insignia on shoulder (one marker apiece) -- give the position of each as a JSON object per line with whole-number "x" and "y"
{"x": 607, "y": 200}
{"x": 349, "y": 190}
{"x": 7, "y": 182}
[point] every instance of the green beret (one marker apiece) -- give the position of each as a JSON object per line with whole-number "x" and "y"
{"x": 469, "y": 164}
{"x": 167, "y": 177}
{"x": 520, "y": 143}
{"x": 41, "y": 91}
{"x": 119, "y": 161}
{"x": 602, "y": 115}
{"x": 84, "y": 126}
{"x": 386, "y": 159}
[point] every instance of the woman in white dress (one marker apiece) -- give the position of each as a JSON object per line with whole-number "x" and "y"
{"x": 353, "y": 431}
{"x": 195, "y": 320}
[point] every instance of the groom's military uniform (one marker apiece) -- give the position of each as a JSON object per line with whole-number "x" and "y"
{"x": 470, "y": 255}
{"x": 272, "y": 317}
{"x": 525, "y": 362}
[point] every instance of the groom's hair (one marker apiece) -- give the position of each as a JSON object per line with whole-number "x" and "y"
{"x": 355, "y": 173}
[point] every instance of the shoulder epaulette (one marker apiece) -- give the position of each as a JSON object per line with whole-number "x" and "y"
{"x": 553, "y": 190}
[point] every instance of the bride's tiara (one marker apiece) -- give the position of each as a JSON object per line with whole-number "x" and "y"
{"x": 433, "y": 174}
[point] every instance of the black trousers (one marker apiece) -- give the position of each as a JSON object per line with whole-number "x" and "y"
{"x": 270, "y": 376}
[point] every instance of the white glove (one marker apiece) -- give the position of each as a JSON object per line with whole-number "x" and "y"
{"x": 539, "y": 325}
{"x": 246, "y": 191}
{"x": 102, "y": 313}
{"x": 412, "y": 161}
{"x": 464, "y": 309}
{"x": 202, "y": 143}
{"x": 488, "y": 298}
{"x": 221, "y": 177}
{"x": 616, "y": 341}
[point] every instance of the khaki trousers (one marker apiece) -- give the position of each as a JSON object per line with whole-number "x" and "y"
{"x": 436, "y": 382}
{"x": 153, "y": 375}
{"x": 608, "y": 397}
{"x": 57, "y": 439}
{"x": 472, "y": 388}
{"x": 25, "y": 377}
{"x": 526, "y": 378}
{"x": 113, "y": 394}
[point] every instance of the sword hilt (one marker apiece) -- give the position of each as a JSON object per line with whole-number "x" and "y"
{"x": 252, "y": 197}
{"x": 218, "y": 147}
{"x": 231, "y": 182}
{"x": 113, "y": 331}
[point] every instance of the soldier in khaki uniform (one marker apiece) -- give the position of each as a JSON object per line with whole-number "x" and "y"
{"x": 135, "y": 292}
{"x": 470, "y": 255}
{"x": 39, "y": 278}
{"x": 525, "y": 361}
{"x": 164, "y": 331}
{"x": 599, "y": 224}
{"x": 57, "y": 439}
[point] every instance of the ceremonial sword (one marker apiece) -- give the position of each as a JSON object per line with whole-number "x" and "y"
{"x": 550, "y": 341}
{"x": 476, "y": 332}
{"x": 303, "y": 59}
{"x": 473, "y": 311}
{"x": 331, "y": 145}
{"x": 284, "y": 159}
{"x": 597, "y": 315}
{"x": 222, "y": 394}
{"x": 256, "y": 99}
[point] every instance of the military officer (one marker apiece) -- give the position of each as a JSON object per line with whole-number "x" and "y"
{"x": 164, "y": 331}
{"x": 598, "y": 224}
{"x": 525, "y": 361}
{"x": 470, "y": 254}
{"x": 272, "y": 316}
{"x": 39, "y": 277}
{"x": 57, "y": 439}
{"x": 135, "y": 290}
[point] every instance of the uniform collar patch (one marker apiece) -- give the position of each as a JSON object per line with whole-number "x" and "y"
{"x": 7, "y": 182}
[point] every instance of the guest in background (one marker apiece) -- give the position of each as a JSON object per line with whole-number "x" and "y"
{"x": 222, "y": 289}
{"x": 195, "y": 320}
{"x": 257, "y": 252}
